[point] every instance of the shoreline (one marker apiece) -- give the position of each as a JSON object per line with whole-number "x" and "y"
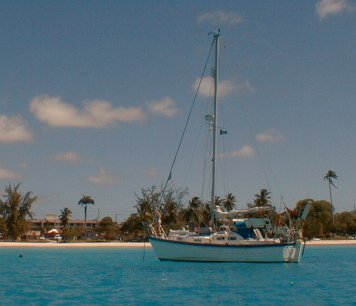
{"x": 332, "y": 242}
{"x": 70, "y": 245}
{"x": 129, "y": 245}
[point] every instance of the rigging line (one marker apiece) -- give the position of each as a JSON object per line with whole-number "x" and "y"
{"x": 192, "y": 158}
{"x": 188, "y": 119}
{"x": 265, "y": 160}
{"x": 259, "y": 154}
{"x": 201, "y": 126}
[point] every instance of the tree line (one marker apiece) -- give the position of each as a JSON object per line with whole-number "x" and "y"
{"x": 16, "y": 210}
{"x": 321, "y": 221}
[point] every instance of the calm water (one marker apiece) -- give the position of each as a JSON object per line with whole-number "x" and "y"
{"x": 327, "y": 276}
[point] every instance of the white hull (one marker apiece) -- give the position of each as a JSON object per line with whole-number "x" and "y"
{"x": 167, "y": 249}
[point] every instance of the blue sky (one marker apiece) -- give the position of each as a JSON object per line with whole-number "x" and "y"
{"x": 94, "y": 95}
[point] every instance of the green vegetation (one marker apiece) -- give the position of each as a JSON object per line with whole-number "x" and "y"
{"x": 345, "y": 223}
{"x": 229, "y": 203}
{"x": 263, "y": 198}
{"x": 14, "y": 210}
{"x": 65, "y": 215}
{"x": 133, "y": 228}
{"x": 148, "y": 202}
{"x": 84, "y": 201}
{"x": 69, "y": 234}
{"x": 319, "y": 223}
{"x": 194, "y": 213}
{"x": 108, "y": 229}
{"x": 329, "y": 177}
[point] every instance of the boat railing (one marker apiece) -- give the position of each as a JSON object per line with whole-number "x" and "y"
{"x": 159, "y": 232}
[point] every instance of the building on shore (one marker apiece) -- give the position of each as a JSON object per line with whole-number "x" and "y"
{"x": 41, "y": 227}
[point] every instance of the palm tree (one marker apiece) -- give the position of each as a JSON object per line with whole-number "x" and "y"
{"x": 229, "y": 203}
{"x": 329, "y": 176}
{"x": 84, "y": 201}
{"x": 193, "y": 212}
{"x": 14, "y": 209}
{"x": 218, "y": 201}
{"x": 170, "y": 211}
{"x": 66, "y": 213}
{"x": 263, "y": 198}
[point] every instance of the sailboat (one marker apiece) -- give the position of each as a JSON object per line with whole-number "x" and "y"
{"x": 240, "y": 237}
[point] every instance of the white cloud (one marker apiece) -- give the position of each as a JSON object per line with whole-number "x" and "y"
{"x": 225, "y": 88}
{"x": 6, "y": 174}
{"x": 151, "y": 172}
{"x": 245, "y": 86}
{"x": 164, "y": 107}
{"x": 45, "y": 200}
{"x": 271, "y": 135}
{"x": 207, "y": 87}
{"x": 24, "y": 165}
{"x": 95, "y": 114}
{"x": 103, "y": 178}
{"x": 220, "y": 18}
{"x": 325, "y": 8}
{"x": 14, "y": 129}
{"x": 68, "y": 157}
{"x": 245, "y": 152}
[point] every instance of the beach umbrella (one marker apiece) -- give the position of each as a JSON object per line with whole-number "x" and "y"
{"x": 53, "y": 231}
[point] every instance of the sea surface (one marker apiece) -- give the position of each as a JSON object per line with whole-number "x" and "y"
{"x": 326, "y": 276}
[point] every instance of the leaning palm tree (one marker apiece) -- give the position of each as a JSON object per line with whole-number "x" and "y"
{"x": 65, "y": 215}
{"x": 84, "y": 201}
{"x": 329, "y": 177}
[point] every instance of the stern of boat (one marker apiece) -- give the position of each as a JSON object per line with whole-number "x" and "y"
{"x": 293, "y": 252}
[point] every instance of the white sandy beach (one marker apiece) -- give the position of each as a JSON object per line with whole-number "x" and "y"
{"x": 130, "y": 244}
{"x": 332, "y": 242}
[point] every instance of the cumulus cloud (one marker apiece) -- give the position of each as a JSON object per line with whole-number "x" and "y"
{"x": 14, "y": 129}
{"x": 6, "y": 174}
{"x": 24, "y": 165}
{"x": 67, "y": 157}
{"x": 220, "y": 18}
{"x": 207, "y": 87}
{"x": 164, "y": 107}
{"x": 326, "y": 8}
{"x": 95, "y": 114}
{"x": 245, "y": 86}
{"x": 245, "y": 152}
{"x": 271, "y": 135}
{"x": 151, "y": 172}
{"x": 103, "y": 178}
{"x": 52, "y": 198}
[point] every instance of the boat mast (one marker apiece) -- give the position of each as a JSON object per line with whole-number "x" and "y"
{"x": 214, "y": 125}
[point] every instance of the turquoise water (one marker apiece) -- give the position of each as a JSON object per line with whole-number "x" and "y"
{"x": 326, "y": 276}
